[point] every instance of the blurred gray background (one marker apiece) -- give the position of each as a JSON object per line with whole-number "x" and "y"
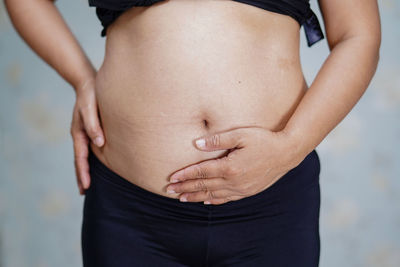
{"x": 41, "y": 210}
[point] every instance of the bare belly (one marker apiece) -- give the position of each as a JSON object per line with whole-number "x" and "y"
{"x": 181, "y": 69}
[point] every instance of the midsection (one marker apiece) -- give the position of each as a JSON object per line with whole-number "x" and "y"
{"x": 181, "y": 69}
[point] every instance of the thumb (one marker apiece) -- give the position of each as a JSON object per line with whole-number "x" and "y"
{"x": 92, "y": 125}
{"x": 221, "y": 141}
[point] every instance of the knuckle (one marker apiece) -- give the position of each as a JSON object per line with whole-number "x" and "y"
{"x": 201, "y": 172}
{"x": 75, "y": 133}
{"x": 78, "y": 166}
{"x": 72, "y": 129}
{"x": 77, "y": 158}
{"x": 232, "y": 170}
{"x": 76, "y": 147}
{"x": 215, "y": 140}
{"x": 223, "y": 162}
{"x": 200, "y": 185}
{"x": 211, "y": 194}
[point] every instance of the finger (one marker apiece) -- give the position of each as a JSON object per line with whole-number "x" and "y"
{"x": 219, "y": 167}
{"x": 81, "y": 153}
{"x": 222, "y": 140}
{"x": 78, "y": 181}
{"x": 198, "y": 185}
{"x": 218, "y": 201}
{"x": 91, "y": 124}
{"x": 75, "y": 129}
{"x": 205, "y": 195}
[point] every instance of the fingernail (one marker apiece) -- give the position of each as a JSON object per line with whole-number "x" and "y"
{"x": 207, "y": 202}
{"x": 170, "y": 191}
{"x": 174, "y": 177}
{"x": 183, "y": 199}
{"x": 200, "y": 143}
{"x": 98, "y": 141}
{"x": 174, "y": 180}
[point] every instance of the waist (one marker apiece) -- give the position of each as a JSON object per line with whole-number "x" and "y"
{"x": 178, "y": 70}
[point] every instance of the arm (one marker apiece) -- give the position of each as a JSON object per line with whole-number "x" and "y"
{"x": 42, "y": 27}
{"x": 354, "y": 37}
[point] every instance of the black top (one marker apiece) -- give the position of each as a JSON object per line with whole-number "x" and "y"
{"x": 108, "y": 10}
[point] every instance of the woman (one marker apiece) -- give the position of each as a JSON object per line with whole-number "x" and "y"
{"x": 228, "y": 71}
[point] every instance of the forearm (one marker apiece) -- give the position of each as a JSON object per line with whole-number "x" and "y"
{"x": 340, "y": 83}
{"x": 42, "y": 27}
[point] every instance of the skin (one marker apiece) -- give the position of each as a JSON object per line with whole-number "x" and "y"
{"x": 354, "y": 41}
{"x": 53, "y": 41}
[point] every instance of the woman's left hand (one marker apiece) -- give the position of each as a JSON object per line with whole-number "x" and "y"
{"x": 259, "y": 158}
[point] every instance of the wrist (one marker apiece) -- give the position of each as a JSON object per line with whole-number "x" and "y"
{"x": 296, "y": 141}
{"x": 85, "y": 83}
{"x": 86, "y": 77}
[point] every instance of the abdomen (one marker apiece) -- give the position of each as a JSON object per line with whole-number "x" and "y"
{"x": 178, "y": 70}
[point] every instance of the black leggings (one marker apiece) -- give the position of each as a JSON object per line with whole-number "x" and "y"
{"x": 126, "y": 225}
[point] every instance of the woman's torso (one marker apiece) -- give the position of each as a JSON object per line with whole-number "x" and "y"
{"x": 177, "y": 64}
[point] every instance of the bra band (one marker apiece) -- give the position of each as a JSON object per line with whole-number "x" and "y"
{"x": 312, "y": 29}
{"x": 108, "y": 11}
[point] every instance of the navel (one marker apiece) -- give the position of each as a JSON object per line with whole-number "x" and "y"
{"x": 206, "y": 123}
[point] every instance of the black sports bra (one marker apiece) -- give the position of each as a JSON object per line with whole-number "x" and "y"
{"x": 109, "y": 10}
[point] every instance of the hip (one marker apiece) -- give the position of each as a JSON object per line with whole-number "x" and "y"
{"x": 124, "y": 222}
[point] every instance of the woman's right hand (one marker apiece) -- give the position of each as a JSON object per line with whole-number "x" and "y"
{"x": 85, "y": 126}
{"x": 68, "y": 59}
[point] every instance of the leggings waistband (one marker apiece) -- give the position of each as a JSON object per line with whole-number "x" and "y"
{"x": 307, "y": 168}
